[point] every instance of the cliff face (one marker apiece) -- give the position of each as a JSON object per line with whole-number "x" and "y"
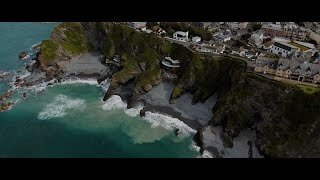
{"x": 285, "y": 118}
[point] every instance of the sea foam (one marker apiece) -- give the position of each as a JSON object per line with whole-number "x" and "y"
{"x": 59, "y": 106}
{"x": 168, "y": 123}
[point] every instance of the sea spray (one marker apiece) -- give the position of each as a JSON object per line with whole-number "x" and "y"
{"x": 59, "y": 106}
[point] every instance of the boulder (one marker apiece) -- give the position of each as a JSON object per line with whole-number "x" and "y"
{"x": 5, "y": 106}
{"x": 19, "y": 81}
{"x": 142, "y": 112}
{"x": 147, "y": 87}
{"x": 6, "y": 95}
{"x": 22, "y": 55}
{"x": 176, "y": 131}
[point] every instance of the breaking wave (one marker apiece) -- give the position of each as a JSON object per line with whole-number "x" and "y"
{"x": 59, "y": 106}
{"x": 168, "y": 123}
{"x": 114, "y": 102}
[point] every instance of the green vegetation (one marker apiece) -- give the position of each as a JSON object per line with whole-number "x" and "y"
{"x": 48, "y": 50}
{"x": 309, "y": 89}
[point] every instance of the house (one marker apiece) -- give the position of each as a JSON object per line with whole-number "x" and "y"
{"x": 266, "y": 46}
{"x": 180, "y": 35}
{"x": 314, "y": 36}
{"x": 214, "y": 49}
{"x": 237, "y": 25}
{"x": 265, "y": 65}
{"x": 158, "y": 30}
{"x": 196, "y": 39}
{"x": 300, "y": 71}
{"x": 287, "y": 47}
{"x": 250, "y": 54}
{"x": 221, "y": 37}
{"x": 209, "y": 43}
{"x": 288, "y": 30}
{"x": 256, "y": 39}
{"x": 137, "y": 25}
{"x": 170, "y": 65}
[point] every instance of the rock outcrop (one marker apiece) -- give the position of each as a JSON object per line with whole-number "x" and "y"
{"x": 5, "y": 106}
{"x": 22, "y": 55}
{"x": 6, "y": 95}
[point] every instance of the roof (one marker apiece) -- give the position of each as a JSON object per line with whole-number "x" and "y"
{"x": 270, "y": 62}
{"x": 303, "y": 48}
{"x": 272, "y": 26}
{"x": 268, "y": 43}
{"x": 308, "y": 45}
{"x": 173, "y": 61}
{"x": 285, "y": 46}
{"x": 298, "y": 67}
{"x": 196, "y": 37}
{"x": 181, "y": 33}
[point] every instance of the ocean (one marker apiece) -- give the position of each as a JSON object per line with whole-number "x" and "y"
{"x": 71, "y": 120}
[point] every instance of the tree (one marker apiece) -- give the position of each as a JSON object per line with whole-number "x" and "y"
{"x": 245, "y": 37}
{"x": 313, "y": 42}
{"x": 256, "y": 27}
{"x": 151, "y": 24}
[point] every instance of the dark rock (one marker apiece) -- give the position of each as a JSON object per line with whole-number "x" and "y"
{"x": 6, "y": 95}
{"x": 19, "y": 81}
{"x": 176, "y": 131}
{"x": 22, "y": 55}
{"x": 5, "y": 106}
{"x": 143, "y": 66}
{"x": 25, "y": 94}
{"x": 198, "y": 139}
{"x": 142, "y": 112}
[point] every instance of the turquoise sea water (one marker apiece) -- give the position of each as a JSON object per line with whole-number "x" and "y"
{"x": 70, "y": 120}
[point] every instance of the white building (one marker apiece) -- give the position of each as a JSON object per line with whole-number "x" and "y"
{"x": 196, "y": 39}
{"x": 221, "y": 37}
{"x": 137, "y": 25}
{"x": 180, "y": 35}
{"x": 256, "y": 39}
{"x": 284, "y": 47}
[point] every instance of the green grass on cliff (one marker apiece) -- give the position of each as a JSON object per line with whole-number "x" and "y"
{"x": 76, "y": 40}
{"x": 48, "y": 49}
{"x": 309, "y": 89}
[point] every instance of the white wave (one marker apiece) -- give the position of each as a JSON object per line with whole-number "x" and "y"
{"x": 104, "y": 85}
{"x": 168, "y": 123}
{"x": 25, "y": 74}
{"x": 194, "y": 147}
{"x": 114, "y": 102}
{"x": 37, "y": 44}
{"x": 206, "y": 154}
{"x": 135, "y": 111}
{"x": 26, "y": 57}
{"x": 76, "y": 80}
{"x": 59, "y": 106}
